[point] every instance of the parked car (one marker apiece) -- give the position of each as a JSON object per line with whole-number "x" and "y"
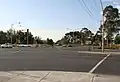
{"x": 24, "y": 45}
{"x": 7, "y": 45}
{"x": 58, "y": 44}
{"x": 3, "y": 46}
{"x": 21, "y": 45}
{"x": 64, "y": 45}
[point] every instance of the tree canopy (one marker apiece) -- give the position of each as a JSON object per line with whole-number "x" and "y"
{"x": 112, "y": 22}
{"x": 50, "y": 41}
{"x": 84, "y": 36}
{"x": 117, "y": 39}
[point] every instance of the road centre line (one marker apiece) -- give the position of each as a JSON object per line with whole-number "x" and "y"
{"x": 100, "y": 62}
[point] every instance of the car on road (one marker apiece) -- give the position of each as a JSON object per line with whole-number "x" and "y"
{"x": 64, "y": 45}
{"x": 7, "y": 45}
{"x": 58, "y": 44}
{"x": 24, "y": 45}
{"x": 21, "y": 45}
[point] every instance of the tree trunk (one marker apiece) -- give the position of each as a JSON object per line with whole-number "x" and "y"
{"x": 81, "y": 41}
{"x": 110, "y": 43}
{"x": 107, "y": 43}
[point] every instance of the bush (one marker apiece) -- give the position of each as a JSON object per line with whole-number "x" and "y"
{"x": 112, "y": 47}
{"x": 115, "y": 46}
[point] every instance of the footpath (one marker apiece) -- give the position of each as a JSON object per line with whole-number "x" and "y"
{"x": 54, "y": 76}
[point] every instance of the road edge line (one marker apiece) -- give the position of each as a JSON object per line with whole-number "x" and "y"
{"x": 98, "y": 64}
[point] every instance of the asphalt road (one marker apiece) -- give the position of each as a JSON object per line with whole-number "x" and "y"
{"x": 52, "y": 59}
{"x": 111, "y": 66}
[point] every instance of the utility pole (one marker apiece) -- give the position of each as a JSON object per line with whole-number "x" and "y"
{"x": 11, "y": 32}
{"x": 27, "y": 36}
{"x": 73, "y": 37}
{"x": 102, "y": 27}
{"x": 102, "y": 36}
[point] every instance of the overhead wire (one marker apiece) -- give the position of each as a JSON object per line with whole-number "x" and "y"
{"x": 101, "y": 4}
{"x": 85, "y": 7}
{"x": 88, "y": 11}
{"x": 94, "y": 1}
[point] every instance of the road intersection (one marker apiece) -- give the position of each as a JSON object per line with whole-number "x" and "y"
{"x": 56, "y": 60}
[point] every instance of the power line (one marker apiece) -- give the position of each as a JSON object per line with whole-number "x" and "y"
{"x": 94, "y": 1}
{"x": 82, "y": 2}
{"x": 101, "y": 4}
{"x": 85, "y": 7}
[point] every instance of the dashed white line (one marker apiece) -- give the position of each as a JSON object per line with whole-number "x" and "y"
{"x": 100, "y": 62}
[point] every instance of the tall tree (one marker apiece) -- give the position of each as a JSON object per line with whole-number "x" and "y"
{"x": 3, "y": 37}
{"x": 98, "y": 38}
{"x": 38, "y": 40}
{"x": 86, "y": 35}
{"x": 117, "y": 39}
{"x": 9, "y": 35}
{"x": 111, "y": 24}
{"x": 83, "y": 36}
{"x": 50, "y": 42}
{"x": 22, "y": 37}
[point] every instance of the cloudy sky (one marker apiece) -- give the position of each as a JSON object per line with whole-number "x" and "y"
{"x": 51, "y": 18}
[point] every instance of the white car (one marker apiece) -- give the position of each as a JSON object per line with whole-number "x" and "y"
{"x": 6, "y": 45}
{"x": 3, "y": 46}
{"x": 64, "y": 45}
{"x": 21, "y": 45}
{"x": 24, "y": 45}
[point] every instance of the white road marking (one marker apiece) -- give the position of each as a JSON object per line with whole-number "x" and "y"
{"x": 92, "y": 52}
{"x": 100, "y": 62}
